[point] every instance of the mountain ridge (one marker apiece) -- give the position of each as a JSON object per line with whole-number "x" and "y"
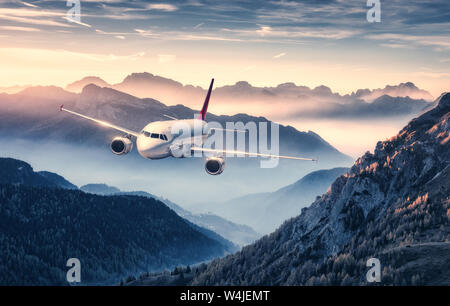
{"x": 35, "y": 204}
{"x": 302, "y": 101}
{"x": 397, "y": 196}
{"x": 14, "y": 171}
{"x": 267, "y": 210}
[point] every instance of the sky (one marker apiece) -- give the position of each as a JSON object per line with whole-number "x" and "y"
{"x": 312, "y": 43}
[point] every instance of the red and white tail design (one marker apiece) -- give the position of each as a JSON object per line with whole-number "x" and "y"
{"x": 205, "y": 104}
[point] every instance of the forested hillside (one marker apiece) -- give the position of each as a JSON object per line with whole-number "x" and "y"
{"x": 112, "y": 236}
{"x": 393, "y": 205}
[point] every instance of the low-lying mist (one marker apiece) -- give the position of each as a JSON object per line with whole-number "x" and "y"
{"x": 183, "y": 181}
{"x": 353, "y": 137}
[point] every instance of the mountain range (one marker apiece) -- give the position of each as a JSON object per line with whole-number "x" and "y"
{"x": 237, "y": 233}
{"x": 266, "y": 211}
{"x": 46, "y": 221}
{"x": 19, "y": 172}
{"x": 392, "y": 205}
{"x": 285, "y": 100}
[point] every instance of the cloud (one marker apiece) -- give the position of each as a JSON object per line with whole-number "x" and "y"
{"x": 105, "y": 57}
{"x": 76, "y": 21}
{"x": 147, "y": 33}
{"x": 395, "y": 46}
{"x": 118, "y": 35}
{"x": 183, "y": 36}
{"x": 31, "y": 16}
{"x": 279, "y": 55}
{"x": 23, "y": 29}
{"x": 294, "y": 32}
{"x": 442, "y": 41}
{"x": 264, "y": 30}
{"x": 44, "y": 22}
{"x": 25, "y": 12}
{"x": 29, "y": 4}
{"x": 162, "y": 7}
{"x": 199, "y": 25}
{"x": 432, "y": 74}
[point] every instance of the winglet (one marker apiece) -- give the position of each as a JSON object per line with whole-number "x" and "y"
{"x": 61, "y": 107}
{"x": 205, "y": 104}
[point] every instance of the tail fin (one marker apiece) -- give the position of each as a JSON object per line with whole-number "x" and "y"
{"x": 205, "y": 104}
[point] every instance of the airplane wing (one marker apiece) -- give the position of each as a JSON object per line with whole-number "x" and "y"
{"x": 199, "y": 149}
{"x": 104, "y": 123}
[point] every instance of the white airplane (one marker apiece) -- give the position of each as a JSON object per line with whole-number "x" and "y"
{"x": 156, "y": 140}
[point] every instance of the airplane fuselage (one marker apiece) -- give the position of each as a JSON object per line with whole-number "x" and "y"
{"x": 160, "y": 139}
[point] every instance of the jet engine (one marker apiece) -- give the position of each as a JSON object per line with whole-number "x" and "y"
{"x": 214, "y": 165}
{"x": 121, "y": 145}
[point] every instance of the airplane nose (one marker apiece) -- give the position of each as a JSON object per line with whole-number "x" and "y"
{"x": 151, "y": 147}
{"x": 145, "y": 144}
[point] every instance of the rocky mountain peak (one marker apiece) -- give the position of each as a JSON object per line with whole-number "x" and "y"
{"x": 145, "y": 77}
{"x": 409, "y": 85}
{"x": 397, "y": 195}
{"x": 78, "y": 86}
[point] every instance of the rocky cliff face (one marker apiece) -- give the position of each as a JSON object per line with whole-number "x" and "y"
{"x": 266, "y": 211}
{"x": 397, "y": 196}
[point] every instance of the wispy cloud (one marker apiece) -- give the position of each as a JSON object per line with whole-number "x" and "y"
{"x": 147, "y": 33}
{"x": 395, "y": 46}
{"x": 60, "y": 54}
{"x": 279, "y": 55}
{"x": 183, "y": 36}
{"x": 294, "y": 32}
{"x": 76, "y": 21}
{"x": 432, "y": 74}
{"x": 199, "y": 25}
{"x": 441, "y": 41}
{"x": 22, "y": 29}
{"x": 25, "y": 12}
{"x": 28, "y": 4}
{"x": 162, "y": 7}
{"x": 105, "y": 57}
{"x": 32, "y": 16}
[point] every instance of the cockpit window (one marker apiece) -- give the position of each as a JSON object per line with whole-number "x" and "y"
{"x": 154, "y": 135}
